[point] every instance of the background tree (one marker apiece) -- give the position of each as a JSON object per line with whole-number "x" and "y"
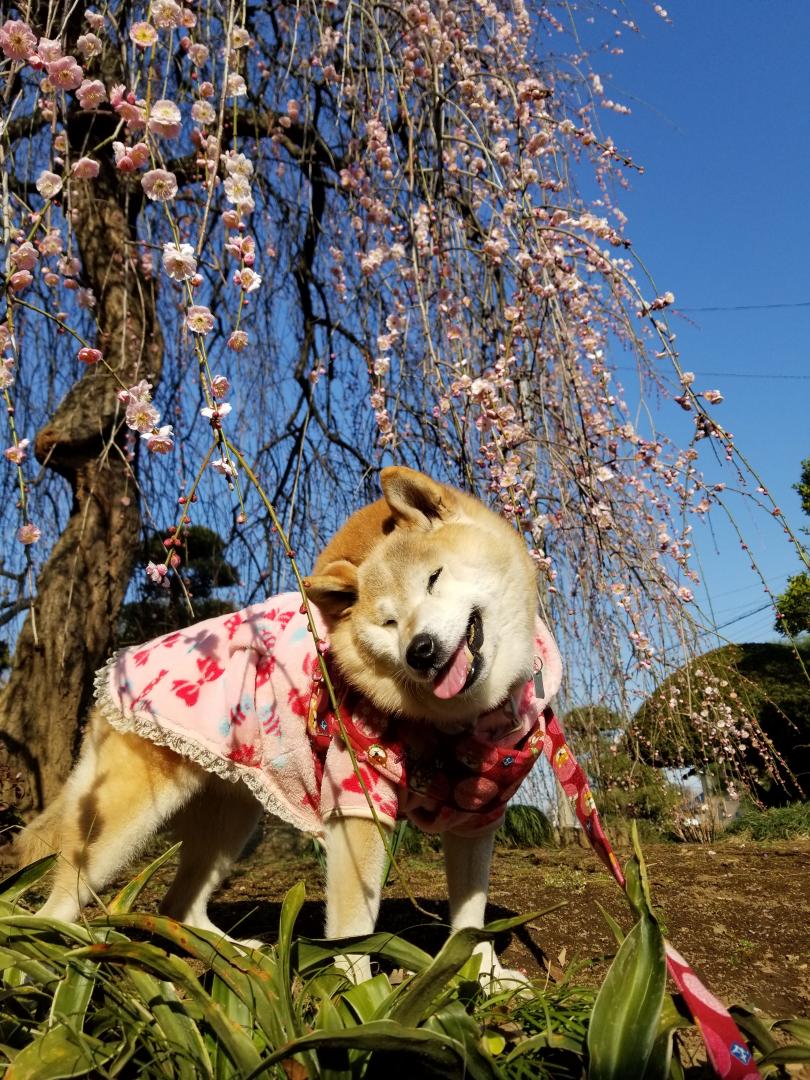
{"x": 299, "y": 241}
{"x": 716, "y": 691}
{"x": 793, "y": 614}
{"x": 162, "y": 602}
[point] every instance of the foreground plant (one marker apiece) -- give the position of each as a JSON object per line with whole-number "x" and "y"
{"x": 91, "y": 1000}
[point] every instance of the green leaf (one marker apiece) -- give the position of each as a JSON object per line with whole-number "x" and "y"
{"x": 624, "y": 1026}
{"x": 21, "y": 880}
{"x": 795, "y": 1054}
{"x": 253, "y": 978}
{"x": 57, "y": 1053}
{"x": 455, "y": 1021}
{"x": 431, "y": 981}
{"x": 368, "y": 999}
{"x": 237, "y": 1044}
{"x": 615, "y": 929}
{"x": 385, "y": 1035}
{"x": 72, "y": 996}
{"x": 309, "y": 953}
{"x": 178, "y": 1032}
{"x": 799, "y": 1028}
{"x": 125, "y": 899}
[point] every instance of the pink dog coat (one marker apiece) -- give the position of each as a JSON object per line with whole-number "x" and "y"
{"x": 242, "y": 695}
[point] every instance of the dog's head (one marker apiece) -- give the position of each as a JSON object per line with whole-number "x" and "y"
{"x": 429, "y": 599}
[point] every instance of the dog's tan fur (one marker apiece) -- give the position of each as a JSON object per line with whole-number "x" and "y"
{"x": 371, "y": 576}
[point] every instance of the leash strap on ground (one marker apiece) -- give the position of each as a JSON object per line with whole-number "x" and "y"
{"x": 727, "y": 1050}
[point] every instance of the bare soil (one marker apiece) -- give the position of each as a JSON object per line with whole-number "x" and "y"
{"x": 738, "y": 911}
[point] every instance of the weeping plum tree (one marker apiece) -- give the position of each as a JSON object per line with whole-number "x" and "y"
{"x": 296, "y": 242}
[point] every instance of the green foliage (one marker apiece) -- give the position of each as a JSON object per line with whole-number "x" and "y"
{"x": 629, "y": 789}
{"x": 626, "y": 788}
{"x": 777, "y": 823}
{"x": 160, "y": 609}
{"x": 525, "y": 826}
{"x": 98, "y": 1000}
{"x": 794, "y": 607}
{"x": 794, "y": 603}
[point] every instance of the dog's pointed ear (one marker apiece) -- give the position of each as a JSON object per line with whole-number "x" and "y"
{"x": 334, "y": 590}
{"x": 414, "y": 498}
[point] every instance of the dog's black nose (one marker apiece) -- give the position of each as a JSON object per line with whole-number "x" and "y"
{"x": 421, "y": 653}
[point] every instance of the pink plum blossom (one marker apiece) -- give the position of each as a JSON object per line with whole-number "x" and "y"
{"x": 90, "y": 356}
{"x": 235, "y": 86}
{"x": 85, "y": 169}
{"x": 247, "y": 279}
{"x": 202, "y": 112}
{"x": 17, "y": 39}
{"x": 199, "y": 319}
{"x": 198, "y": 54}
{"x": 141, "y": 416}
{"x": 219, "y": 386}
{"x": 94, "y": 19}
{"x": 164, "y": 119}
{"x": 143, "y": 34}
{"x": 16, "y": 454}
{"x": 91, "y": 94}
{"x": 141, "y": 392}
{"x": 159, "y": 185}
{"x": 160, "y": 441}
{"x": 6, "y": 372}
{"x": 89, "y": 45}
{"x": 224, "y": 467}
{"x": 21, "y": 280}
{"x": 48, "y": 184}
{"x": 28, "y": 533}
{"x": 156, "y": 572}
{"x": 238, "y": 340}
{"x": 65, "y": 73}
{"x": 179, "y": 262}
{"x": 714, "y": 397}
{"x": 215, "y": 413}
{"x": 166, "y": 14}
{"x": 49, "y": 49}
{"x": 25, "y": 256}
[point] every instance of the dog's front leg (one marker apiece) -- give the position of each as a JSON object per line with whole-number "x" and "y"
{"x": 467, "y": 862}
{"x": 355, "y": 862}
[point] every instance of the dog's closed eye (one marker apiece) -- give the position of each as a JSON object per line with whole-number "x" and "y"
{"x": 434, "y": 577}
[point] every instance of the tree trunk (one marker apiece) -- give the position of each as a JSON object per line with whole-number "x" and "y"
{"x": 81, "y": 587}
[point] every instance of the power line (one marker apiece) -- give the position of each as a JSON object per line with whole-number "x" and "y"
{"x": 722, "y": 374}
{"x": 745, "y": 307}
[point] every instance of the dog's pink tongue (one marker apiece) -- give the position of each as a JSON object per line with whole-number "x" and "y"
{"x": 454, "y": 674}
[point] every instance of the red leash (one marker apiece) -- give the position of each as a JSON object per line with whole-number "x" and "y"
{"x": 725, "y": 1046}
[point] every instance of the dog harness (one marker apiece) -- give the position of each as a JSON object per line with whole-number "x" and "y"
{"x": 242, "y": 695}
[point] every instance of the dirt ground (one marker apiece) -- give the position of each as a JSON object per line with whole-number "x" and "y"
{"x": 738, "y": 911}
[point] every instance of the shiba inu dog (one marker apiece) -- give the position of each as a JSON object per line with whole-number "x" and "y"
{"x": 426, "y": 616}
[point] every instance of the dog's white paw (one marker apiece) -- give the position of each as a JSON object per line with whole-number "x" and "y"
{"x": 494, "y": 977}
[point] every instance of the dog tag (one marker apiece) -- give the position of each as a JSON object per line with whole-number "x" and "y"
{"x": 539, "y": 689}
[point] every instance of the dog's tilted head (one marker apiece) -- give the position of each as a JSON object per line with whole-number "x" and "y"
{"x": 430, "y": 600}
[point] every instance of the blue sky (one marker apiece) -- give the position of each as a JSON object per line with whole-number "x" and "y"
{"x": 720, "y": 102}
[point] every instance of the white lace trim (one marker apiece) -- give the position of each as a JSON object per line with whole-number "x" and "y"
{"x": 148, "y": 727}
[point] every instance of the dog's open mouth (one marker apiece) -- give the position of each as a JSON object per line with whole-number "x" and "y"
{"x": 464, "y": 665}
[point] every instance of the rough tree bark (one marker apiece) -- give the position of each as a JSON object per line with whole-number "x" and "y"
{"x": 81, "y": 587}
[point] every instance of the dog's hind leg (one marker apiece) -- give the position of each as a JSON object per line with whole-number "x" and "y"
{"x": 123, "y": 789}
{"x": 214, "y": 828}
